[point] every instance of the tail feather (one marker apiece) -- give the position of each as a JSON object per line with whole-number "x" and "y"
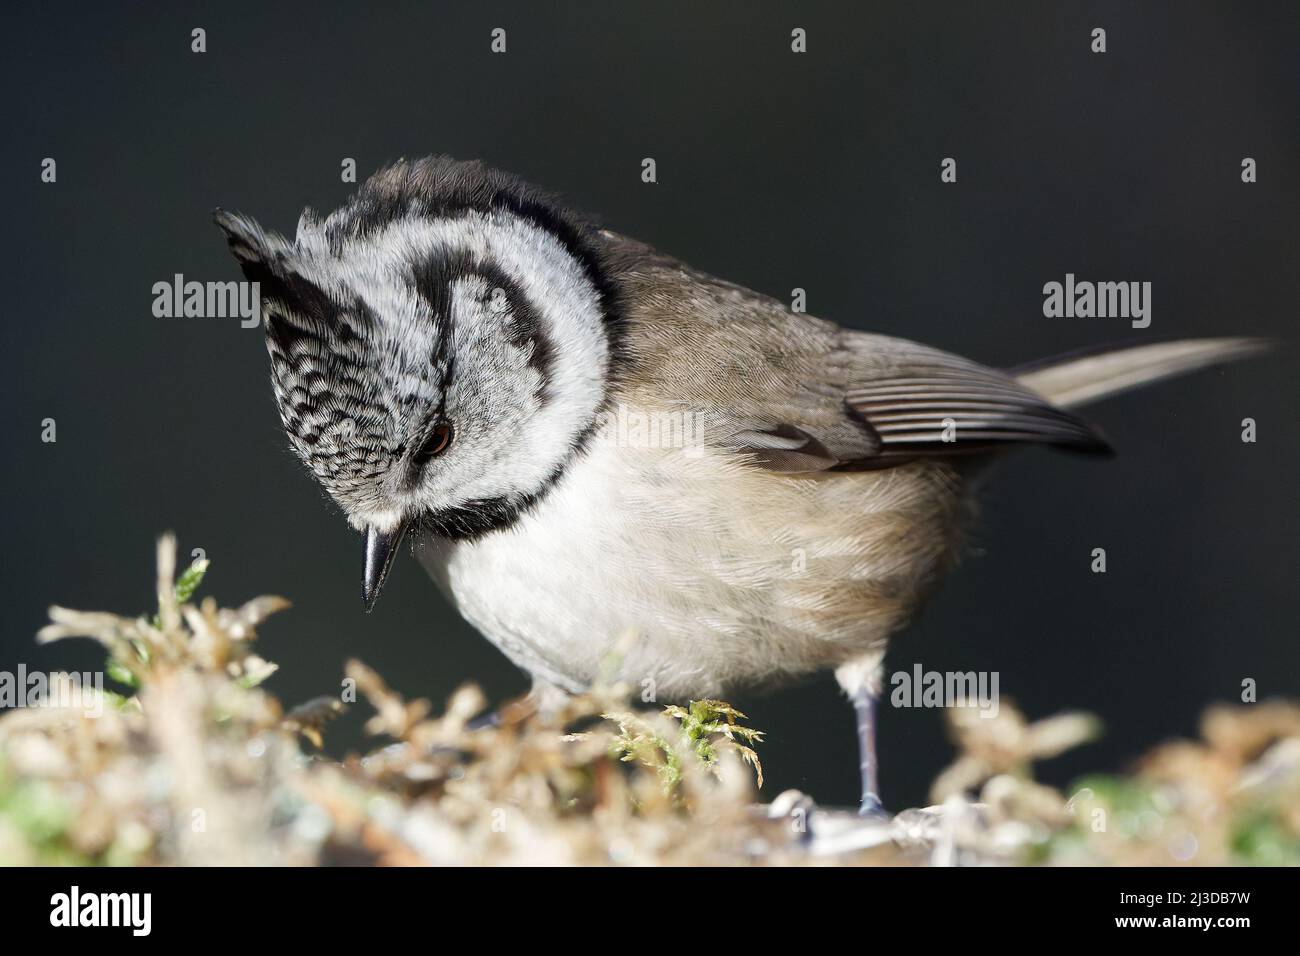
{"x": 1073, "y": 380}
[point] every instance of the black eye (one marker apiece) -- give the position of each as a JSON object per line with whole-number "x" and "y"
{"x": 435, "y": 443}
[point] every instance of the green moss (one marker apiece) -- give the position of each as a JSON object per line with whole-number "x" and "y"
{"x": 186, "y": 585}
{"x": 706, "y": 725}
{"x": 1260, "y": 839}
{"x": 36, "y": 811}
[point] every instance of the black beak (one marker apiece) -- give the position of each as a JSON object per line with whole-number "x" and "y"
{"x": 381, "y": 548}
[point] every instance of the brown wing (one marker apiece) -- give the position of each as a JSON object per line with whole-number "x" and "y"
{"x": 937, "y": 404}
{"x": 798, "y": 394}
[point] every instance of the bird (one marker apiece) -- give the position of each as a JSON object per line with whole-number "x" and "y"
{"x": 583, "y": 438}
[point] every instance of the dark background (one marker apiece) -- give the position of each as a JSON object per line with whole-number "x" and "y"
{"x": 776, "y": 170}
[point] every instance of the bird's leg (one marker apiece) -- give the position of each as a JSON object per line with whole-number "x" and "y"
{"x": 864, "y": 703}
{"x": 862, "y": 681}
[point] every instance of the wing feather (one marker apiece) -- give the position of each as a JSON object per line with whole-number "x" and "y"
{"x": 931, "y": 403}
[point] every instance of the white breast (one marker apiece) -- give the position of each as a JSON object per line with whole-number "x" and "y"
{"x": 725, "y": 574}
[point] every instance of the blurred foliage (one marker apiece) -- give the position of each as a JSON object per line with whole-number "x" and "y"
{"x": 201, "y": 766}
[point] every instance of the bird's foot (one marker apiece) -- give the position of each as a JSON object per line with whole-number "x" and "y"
{"x": 511, "y": 712}
{"x": 872, "y": 809}
{"x": 483, "y": 721}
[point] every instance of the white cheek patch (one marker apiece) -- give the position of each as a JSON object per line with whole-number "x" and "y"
{"x": 567, "y": 307}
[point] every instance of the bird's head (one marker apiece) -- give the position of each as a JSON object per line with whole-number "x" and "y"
{"x": 440, "y": 348}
